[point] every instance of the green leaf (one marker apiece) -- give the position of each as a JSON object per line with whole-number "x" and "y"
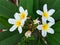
{"x": 56, "y": 27}
{"x": 2, "y": 26}
{"x": 7, "y": 9}
{"x": 4, "y": 23}
{"x": 8, "y": 38}
{"x": 25, "y": 41}
{"x": 53, "y": 39}
{"x": 36, "y": 6}
{"x": 39, "y": 39}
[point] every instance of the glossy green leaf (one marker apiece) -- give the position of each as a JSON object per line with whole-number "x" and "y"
{"x": 56, "y": 27}
{"x": 4, "y": 22}
{"x": 36, "y": 6}
{"x": 9, "y": 38}
{"x": 7, "y": 9}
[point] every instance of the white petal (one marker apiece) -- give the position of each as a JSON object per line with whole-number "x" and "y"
{"x": 45, "y": 8}
{"x": 21, "y": 9}
{"x": 20, "y": 29}
{"x": 44, "y": 33}
{"x": 13, "y": 28}
{"x": 23, "y": 22}
{"x": 50, "y": 31}
{"x": 39, "y": 12}
{"x": 39, "y": 27}
{"x": 50, "y": 19}
{"x": 44, "y": 20}
{"x": 50, "y": 24}
{"x": 26, "y": 12}
{"x": 16, "y": 15}
{"x": 11, "y": 21}
{"x": 51, "y": 11}
{"x": 25, "y": 19}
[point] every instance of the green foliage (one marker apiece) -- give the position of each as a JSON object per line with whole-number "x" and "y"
{"x": 7, "y": 10}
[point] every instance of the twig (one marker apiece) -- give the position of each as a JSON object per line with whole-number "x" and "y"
{"x": 44, "y": 40}
{"x": 16, "y": 2}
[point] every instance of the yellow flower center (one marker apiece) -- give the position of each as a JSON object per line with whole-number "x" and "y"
{"x": 22, "y": 15}
{"x": 45, "y": 27}
{"x": 45, "y": 14}
{"x": 18, "y": 23}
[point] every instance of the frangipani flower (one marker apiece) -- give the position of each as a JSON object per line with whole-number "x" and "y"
{"x": 46, "y": 15}
{"x": 36, "y": 21}
{"x": 46, "y": 27}
{"x": 17, "y": 23}
{"x": 28, "y": 34}
{"x": 23, "y": 13}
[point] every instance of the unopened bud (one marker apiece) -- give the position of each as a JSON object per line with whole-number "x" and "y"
{"x": 28, "y": 34}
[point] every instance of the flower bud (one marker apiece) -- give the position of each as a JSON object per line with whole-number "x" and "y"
{"x": 28, "y": 34}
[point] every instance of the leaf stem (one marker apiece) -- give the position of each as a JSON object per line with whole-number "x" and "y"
{"x": 16, "y": 2}
{"x": 44, "y": 40}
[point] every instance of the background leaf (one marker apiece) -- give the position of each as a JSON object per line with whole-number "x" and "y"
{"x": 7, "y": 9}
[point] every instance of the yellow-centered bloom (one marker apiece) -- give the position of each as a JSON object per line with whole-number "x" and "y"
{"x": 23, "y": 13}
{"x": 46, "y": 27}
{"x": 17, "y": 23}
{"x": 19, "y": 20}
{"x": 46, "y": 15}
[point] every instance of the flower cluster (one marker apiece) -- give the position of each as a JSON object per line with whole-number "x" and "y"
{"x": 46, "y": 16}
{"x": 19, "y": 20}
{"x": 47, "y": 21}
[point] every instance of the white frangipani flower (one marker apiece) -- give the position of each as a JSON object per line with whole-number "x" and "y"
{"x": 28, "y": 34}
{"x": 23, "y": 13}
{"x": 46, "y": 27}
{"x": 17, "y": 22}
{"x": 46, "y": 15}
{"x": 36, "y": 21}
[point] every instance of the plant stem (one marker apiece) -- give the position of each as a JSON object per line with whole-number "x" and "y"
{"x": 16, "y": 2}
{"x": 44, "y": 40}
